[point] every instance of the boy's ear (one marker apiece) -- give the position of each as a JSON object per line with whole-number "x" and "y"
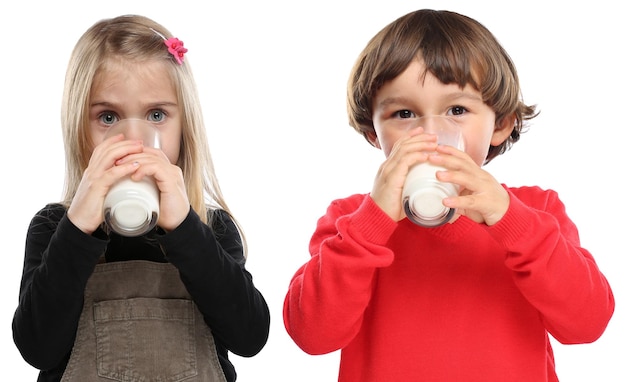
{"x": 372, "y": 138}
{"x": 503, "y": 130}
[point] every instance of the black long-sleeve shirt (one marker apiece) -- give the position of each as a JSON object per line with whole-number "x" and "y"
{"x": 60, "y": 259}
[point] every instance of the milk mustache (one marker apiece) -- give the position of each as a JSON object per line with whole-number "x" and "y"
{"x": 423, "y": 194}
{"x": 131, "y": 208}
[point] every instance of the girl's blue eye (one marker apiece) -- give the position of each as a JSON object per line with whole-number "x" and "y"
{"x": 108, "y": 118}
{"x": 156, "y": 116}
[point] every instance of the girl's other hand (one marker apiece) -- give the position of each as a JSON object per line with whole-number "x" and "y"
{"x": 174, "y": 203}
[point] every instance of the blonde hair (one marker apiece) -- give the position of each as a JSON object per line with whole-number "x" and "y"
{"x": 455, "y": 49}
{"x": 137, "y": 38}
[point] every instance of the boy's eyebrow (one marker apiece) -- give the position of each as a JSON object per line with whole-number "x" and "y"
{"x": 392, "y": 101}
{"x": 462, "y": 94}
{"x": 450, "y": 97}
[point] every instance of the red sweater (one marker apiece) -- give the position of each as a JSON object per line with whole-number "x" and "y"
{"x": 461, "y": 302}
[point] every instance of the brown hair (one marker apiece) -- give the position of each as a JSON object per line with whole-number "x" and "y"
{"x": 455, "y": 49}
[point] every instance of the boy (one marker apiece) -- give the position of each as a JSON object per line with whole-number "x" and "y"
{"x": 471, "y": 300}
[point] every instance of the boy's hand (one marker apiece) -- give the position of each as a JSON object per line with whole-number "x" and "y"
{"x": 389, "y": 181}
{"x": 482, "y": 197}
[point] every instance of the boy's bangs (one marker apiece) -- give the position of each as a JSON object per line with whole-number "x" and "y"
{"x": 452, "y": 66}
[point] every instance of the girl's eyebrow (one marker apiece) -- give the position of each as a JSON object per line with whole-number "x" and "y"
{"x": 148, "y": 105}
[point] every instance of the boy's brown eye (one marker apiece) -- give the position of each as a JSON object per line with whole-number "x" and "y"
{"x": 405, "y": 114}
{"x": 457, "y": 110}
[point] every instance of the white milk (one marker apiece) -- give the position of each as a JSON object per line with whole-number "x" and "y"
{"x": 131, "y": 208}
{"x": 423, "y": 194}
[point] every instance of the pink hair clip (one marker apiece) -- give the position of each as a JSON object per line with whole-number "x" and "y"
{"x": 176, "y": 48}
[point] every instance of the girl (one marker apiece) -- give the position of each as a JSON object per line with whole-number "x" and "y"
{"x": 474, "y": 300}
{"x": 168, "y": 305}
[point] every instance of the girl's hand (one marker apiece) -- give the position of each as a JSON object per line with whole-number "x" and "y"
{"x": 482, "y": 197}
{"x": 85, "y": 211}
{"x": 174, "y": 204}
{"x": 389, "y": 181}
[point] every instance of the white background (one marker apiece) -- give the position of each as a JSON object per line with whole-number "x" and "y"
{"x": 272, "y": 76}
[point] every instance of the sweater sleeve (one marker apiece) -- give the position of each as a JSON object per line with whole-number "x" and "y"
{"x": 59, "y": 258}
{"x": 327, "y": 297}
{"x": 211, "y": 265}
{"x": 555, "y": 274}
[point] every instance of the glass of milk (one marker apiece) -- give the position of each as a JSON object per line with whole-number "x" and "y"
{"x": 131, "y": 208}
{"x": 423, "y": 194}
